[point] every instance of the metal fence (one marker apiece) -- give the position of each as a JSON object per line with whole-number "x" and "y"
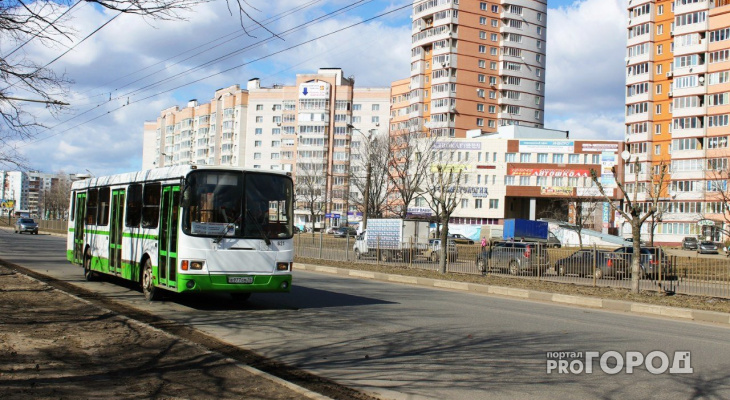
{"x": 659, "y": 270}
{"x": 57, "y": 226}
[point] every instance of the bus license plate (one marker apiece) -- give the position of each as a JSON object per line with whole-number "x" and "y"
{"x": 240, "y": 279}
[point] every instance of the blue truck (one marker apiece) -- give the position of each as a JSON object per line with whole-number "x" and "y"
{"x": 525, "y": 230}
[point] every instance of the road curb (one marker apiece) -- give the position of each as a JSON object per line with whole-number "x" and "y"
{"x": 526, "y": 294}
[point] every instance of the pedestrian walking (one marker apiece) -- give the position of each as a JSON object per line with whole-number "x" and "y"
{"x": 484, "y": 243}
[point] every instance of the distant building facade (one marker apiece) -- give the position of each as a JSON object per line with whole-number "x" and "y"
{"x": 318, "y": 123}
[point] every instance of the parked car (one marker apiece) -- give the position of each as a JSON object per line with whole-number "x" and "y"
{"x": 345, "y": 231}
{"x": 581, "y": 263}
{"x": 331, "y": 230}
{"x": 434, "y": 250}
{"x": 515, "y": 258}
{"x": 26, "y": 225}
{"x": 707, "y": 247}
{"x": 652, "y": 260}
{"x": 460, "y": 239}
{"x": 690, "y": 243}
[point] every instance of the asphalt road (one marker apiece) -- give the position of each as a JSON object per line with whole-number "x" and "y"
{"x": 406, "y": 342}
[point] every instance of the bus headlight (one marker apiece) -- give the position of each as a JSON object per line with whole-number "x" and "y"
{"x": 282, "y": 266}
{"x": 196, "y": 265}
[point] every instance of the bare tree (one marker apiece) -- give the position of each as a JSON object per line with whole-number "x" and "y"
{"x": 55, "y": 201}
{"x": 443, "y": 194}
{"x": 410, "y": 160}
{"x": 310, "y": 189}
{"x": 637, "y": 212}
{"x": 584, "y": 209}
{"x": 369, "y": 175}
{"x": 24, "y": 81}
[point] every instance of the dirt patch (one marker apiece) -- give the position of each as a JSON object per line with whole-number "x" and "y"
{"x": 54, "y": 346}
{"x": 649, "y": 297}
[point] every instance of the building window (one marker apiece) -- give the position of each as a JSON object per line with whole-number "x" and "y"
{"x": 659, "y": 49}
{"x": 494, "y": 37}
{"x": 525, "y": 157}
{"x": 482, "y": 64}
{"x": 376, "y": 107}
{"x": 542, "y": 158}
{"x": 481, "y": 78}
{"x": 480, "y": 121}
{"x": 482, "y": 35}
{"x": 482, "y": 48}
{"x": 493, "y": 204}
{"x": 557, "y": 158}
{"x": 524, "y": 181}
{"x": 480, "y": 107}
{"x": 259, "y": 107}
{"x": 257, "y": 143}
{"x": 258, "y": 131}
{"x": 573, "y": 158}
{"x": 464, "y": 203}
{"x": 259, "y": 118}
{"x": 658, "y": 89}
{"x": 482, "y": 20}
{"x": 492, "y": 109}
{"x": 477, "y": 203}
{"x": 256, "y": 156}
{"x": 510, "y": 157}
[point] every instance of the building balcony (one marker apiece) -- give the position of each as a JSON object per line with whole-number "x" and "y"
{"x": 647, "y": 37}
{"x": 689, "y": 111}
{"x": 638, "y": 98}
{"x": 640, "y": 117}
{"x": 685, "y": 133}
{"x": 690, "y": 91}
{"x": 631, "y": 79}
{"x": 699, "y": 48}
{"x": 641, "y": 19}
{"x": 642, "y": 58}
{"x": 702, "y": 5}
{"x": 691, "y": 28}
{"x": 427, "y": 11}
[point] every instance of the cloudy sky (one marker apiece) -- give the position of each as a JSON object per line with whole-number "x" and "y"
{"x": 132, "y": 68}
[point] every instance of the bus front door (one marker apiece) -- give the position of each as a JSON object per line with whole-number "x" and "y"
{"x": 167, "y": 274}
{"x": 79, "y": 223}
{"x": 115, "y": 232}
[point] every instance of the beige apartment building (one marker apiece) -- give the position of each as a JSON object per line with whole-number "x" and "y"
{"x": 474, "y": 65}
{"x": 677, "y": 109}
{"x": 314, "y": 127}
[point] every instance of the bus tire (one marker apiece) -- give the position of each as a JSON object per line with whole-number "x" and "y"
{"x": 151, "y": 293}
{"x": 89, "y": 274}
{"x": 240, "y": 297}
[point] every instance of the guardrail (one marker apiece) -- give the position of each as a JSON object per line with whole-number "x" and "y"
{"x": 700, "y": 276}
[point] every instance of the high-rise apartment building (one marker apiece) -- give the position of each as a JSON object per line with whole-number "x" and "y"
{"x": 314, "y": 128}
{"x": 677, "y": 110}
{"x": 475, "y": 64}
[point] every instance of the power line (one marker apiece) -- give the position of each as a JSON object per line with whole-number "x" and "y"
{"x": 224, "y": 71}
{"x": 43, "y": 30}
{"x": 210, "y": 62}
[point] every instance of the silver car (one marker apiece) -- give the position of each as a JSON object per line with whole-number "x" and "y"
{"x": 707, "y": 247}
{"x": 26, "y": 225}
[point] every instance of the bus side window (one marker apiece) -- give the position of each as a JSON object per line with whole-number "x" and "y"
{"x": 134, "y": 205}
{"x": 151, "y": 205}
{"x": 92, "y": 203}
{"x": 104, "y": 198}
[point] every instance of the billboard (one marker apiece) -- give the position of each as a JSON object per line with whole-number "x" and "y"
{"x": 556, "y": 190}
{"x": 547, "y": 146}
{"x": 314, "y": 90}
{"x": 457, "y": 146}
{"x": 549, "y": 172}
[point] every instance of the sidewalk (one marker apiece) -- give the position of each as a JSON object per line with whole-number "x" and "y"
{"x": 54, "y": 345}
{"x": 526, "y": 294}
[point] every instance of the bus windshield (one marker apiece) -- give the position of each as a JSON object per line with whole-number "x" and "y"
{"x": 237, "y": 204}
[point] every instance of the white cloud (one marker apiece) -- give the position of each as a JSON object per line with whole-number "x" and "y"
{"x": 586, "y": 46}
{"x": 584, "y": 86}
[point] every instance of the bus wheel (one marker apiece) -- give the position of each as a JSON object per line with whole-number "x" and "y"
{"x": 239, "y": 297}
{"x": 151, "y": 293}
{"x": 89, "y": 275}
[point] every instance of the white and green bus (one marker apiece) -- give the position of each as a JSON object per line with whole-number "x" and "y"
{"x": 186, "y": 229}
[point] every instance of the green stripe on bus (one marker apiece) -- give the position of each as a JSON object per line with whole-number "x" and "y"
{"x": 124, "y": 234}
